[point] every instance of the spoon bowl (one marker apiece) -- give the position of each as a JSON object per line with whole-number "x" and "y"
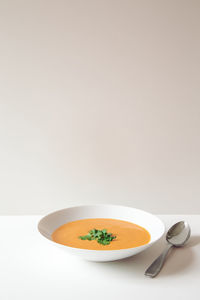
{"x": 178, "y": 234}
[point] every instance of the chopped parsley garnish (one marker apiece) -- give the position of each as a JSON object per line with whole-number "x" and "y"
{"x": 101, "y": 236}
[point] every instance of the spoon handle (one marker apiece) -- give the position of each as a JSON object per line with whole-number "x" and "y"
{"x": 156, "y": 266}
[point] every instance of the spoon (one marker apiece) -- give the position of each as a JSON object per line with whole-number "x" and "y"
{"x": 176, "y": 236}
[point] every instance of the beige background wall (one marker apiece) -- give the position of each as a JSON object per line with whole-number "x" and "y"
{"x": 99, "y": 102}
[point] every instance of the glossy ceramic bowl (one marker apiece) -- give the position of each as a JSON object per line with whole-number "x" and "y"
{"x": 153, "y": 224}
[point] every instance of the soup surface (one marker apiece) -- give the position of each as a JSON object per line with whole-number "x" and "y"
{"x": 128, "y": 235}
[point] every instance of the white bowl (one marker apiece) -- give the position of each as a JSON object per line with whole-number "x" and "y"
{"x": 153, "y": 224}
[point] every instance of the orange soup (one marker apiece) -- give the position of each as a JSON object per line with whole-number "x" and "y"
{"x": 127, "y": 235}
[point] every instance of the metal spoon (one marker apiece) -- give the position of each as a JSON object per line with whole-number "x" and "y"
{"x": 176, "y": 236}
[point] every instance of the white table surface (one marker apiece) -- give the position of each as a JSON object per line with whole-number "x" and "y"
{"x": 32, "y": 268}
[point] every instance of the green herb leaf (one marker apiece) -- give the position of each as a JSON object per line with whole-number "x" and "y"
{"x": 101, "y": 236}
{"x": 85, "y": 237}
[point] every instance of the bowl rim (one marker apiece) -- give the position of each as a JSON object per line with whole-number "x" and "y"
{"x": 103, "y": 251}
